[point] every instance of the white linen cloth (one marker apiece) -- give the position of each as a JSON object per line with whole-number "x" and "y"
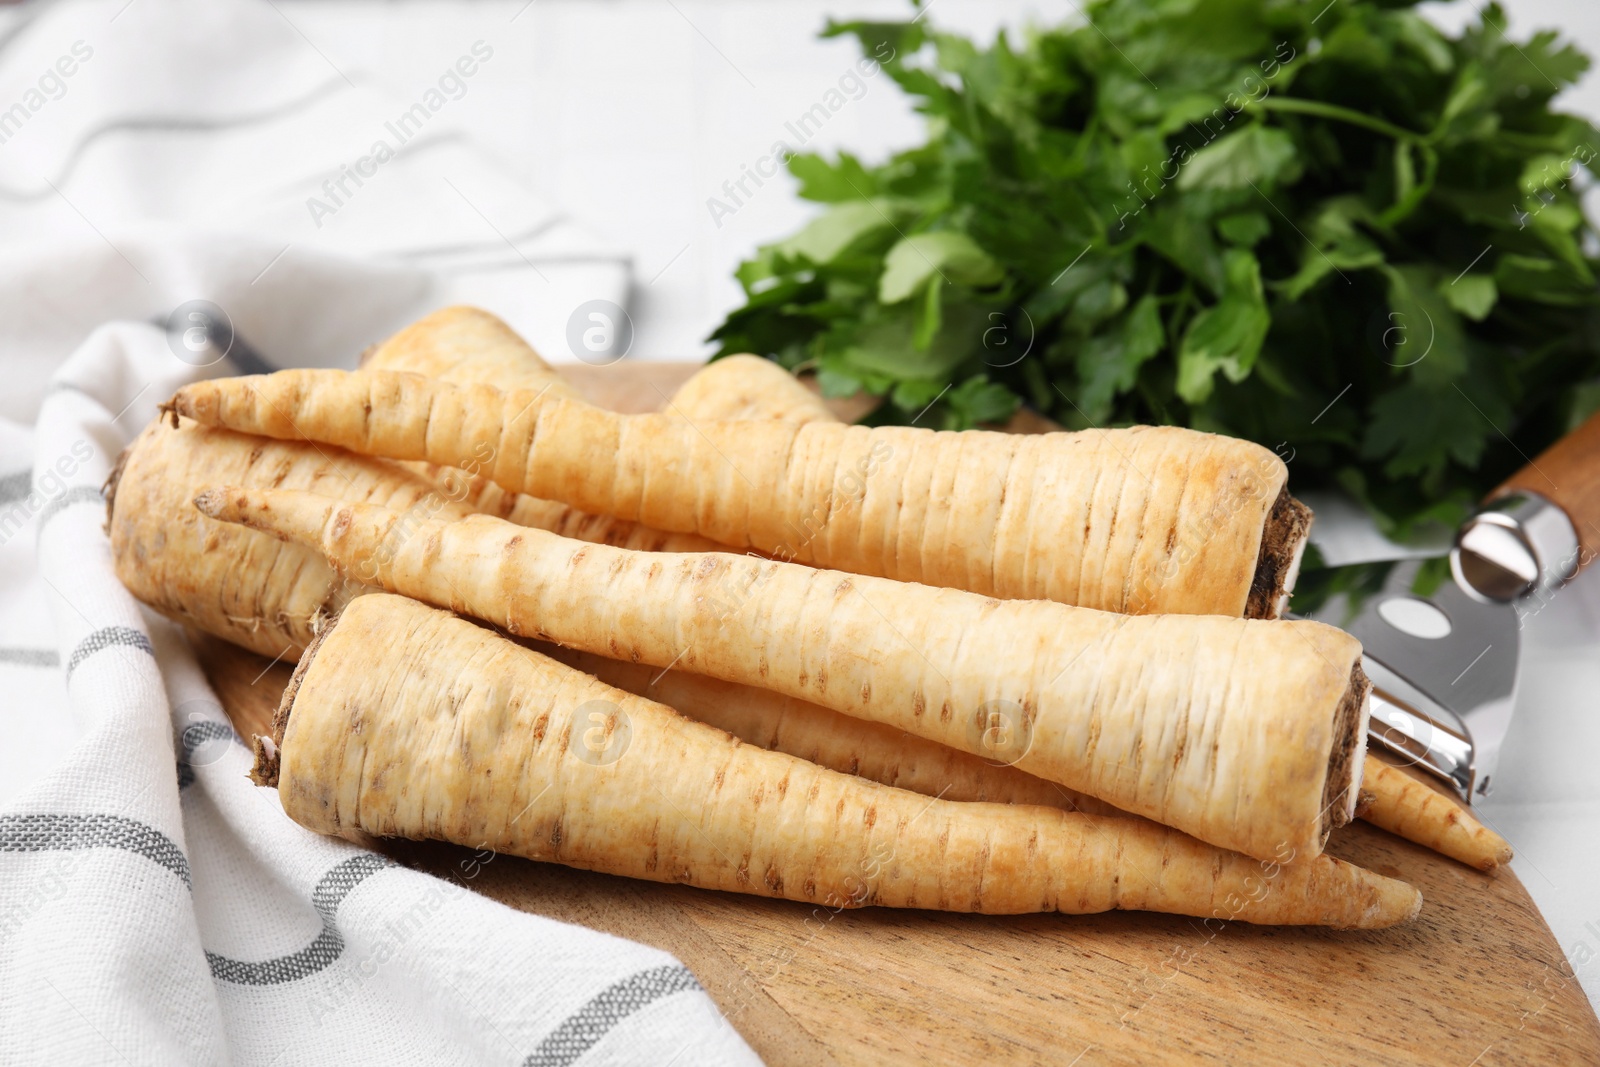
{"x": 155, "y": 907}
{"x": 220, "y": 116}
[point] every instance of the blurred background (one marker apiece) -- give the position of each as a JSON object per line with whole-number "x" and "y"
{"x": 575, "y": 163}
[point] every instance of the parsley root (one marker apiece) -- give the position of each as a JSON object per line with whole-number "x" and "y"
{"x": 261, "y": 593}
{"x": 851, "y": 746}
{"x": 1395, "y": 801}
{"x": 1144, "y": 520}
{"x": 1245, "y": 733}
{"x": 242, "y": 586}
{"x": 466, "y": 345}
{"x": 406, "y": 721}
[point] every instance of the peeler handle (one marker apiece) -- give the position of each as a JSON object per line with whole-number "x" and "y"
{"x": 1540, "y": 527}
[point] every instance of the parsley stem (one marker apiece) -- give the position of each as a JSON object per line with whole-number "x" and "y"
{"x": 1337, "y": 113}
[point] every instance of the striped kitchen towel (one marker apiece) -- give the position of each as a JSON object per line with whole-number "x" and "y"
{"x": 119, "y": 119}
{"x": 157, "y": 908}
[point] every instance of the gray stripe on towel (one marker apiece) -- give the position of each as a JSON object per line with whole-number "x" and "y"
{"x": 190, "y": 743}
{"x": 29, "y": 657}
{"x": 104, "y": 638}
{"x": 326, "y": 947}
{"x": 583, "y": 1030}
{"x": 78, "y": 494}
{"x": 45, "y": 833}
{"x": 15, "y": 486}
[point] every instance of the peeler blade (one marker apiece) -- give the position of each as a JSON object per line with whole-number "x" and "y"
{"x": 1444, "y": 674}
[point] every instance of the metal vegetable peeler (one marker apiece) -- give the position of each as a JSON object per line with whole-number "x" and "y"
{"x": 1444, "y": 665}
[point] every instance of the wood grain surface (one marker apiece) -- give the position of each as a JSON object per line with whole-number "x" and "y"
{"x": 1476, "y": 980}
{"x": 1568, "y": 472}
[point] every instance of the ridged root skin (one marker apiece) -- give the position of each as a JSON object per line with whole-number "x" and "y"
{"x": 1145, "y": 520}
{"x": 245, "y": 587}
{"x": 1396, "y": 802}
{"x": 838, "y": 742}
{"x": 410, "y": 722}
{"x": 469, "y": 346}
{"x": 1230, "y": 729}
{"x": 262, "y": 593}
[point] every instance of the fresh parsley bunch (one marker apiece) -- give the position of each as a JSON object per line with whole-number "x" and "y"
{"x": 1326, "y": 227}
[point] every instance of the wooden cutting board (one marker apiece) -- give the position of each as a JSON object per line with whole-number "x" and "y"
{"x": 1477, "y": 980}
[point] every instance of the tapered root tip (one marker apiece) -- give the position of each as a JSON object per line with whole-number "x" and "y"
{"x": 1394, "y": 902}
{"x": 197, "y": 401}
{"x": 1411, "y": 903}
{"x": 212, "y": 503}
{"x": 1492, "y": 859}
{"x": 229, "y": 503}
{"x": 1365, "y": 800}
{"x": 1493, "y": 851}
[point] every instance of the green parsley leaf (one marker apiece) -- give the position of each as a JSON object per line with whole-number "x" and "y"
{"x": 1471, "y": 294}
{"x": 1255, "y": 156}
{"x": 952, "y": 257}
{"x": 1338, "y": 231}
